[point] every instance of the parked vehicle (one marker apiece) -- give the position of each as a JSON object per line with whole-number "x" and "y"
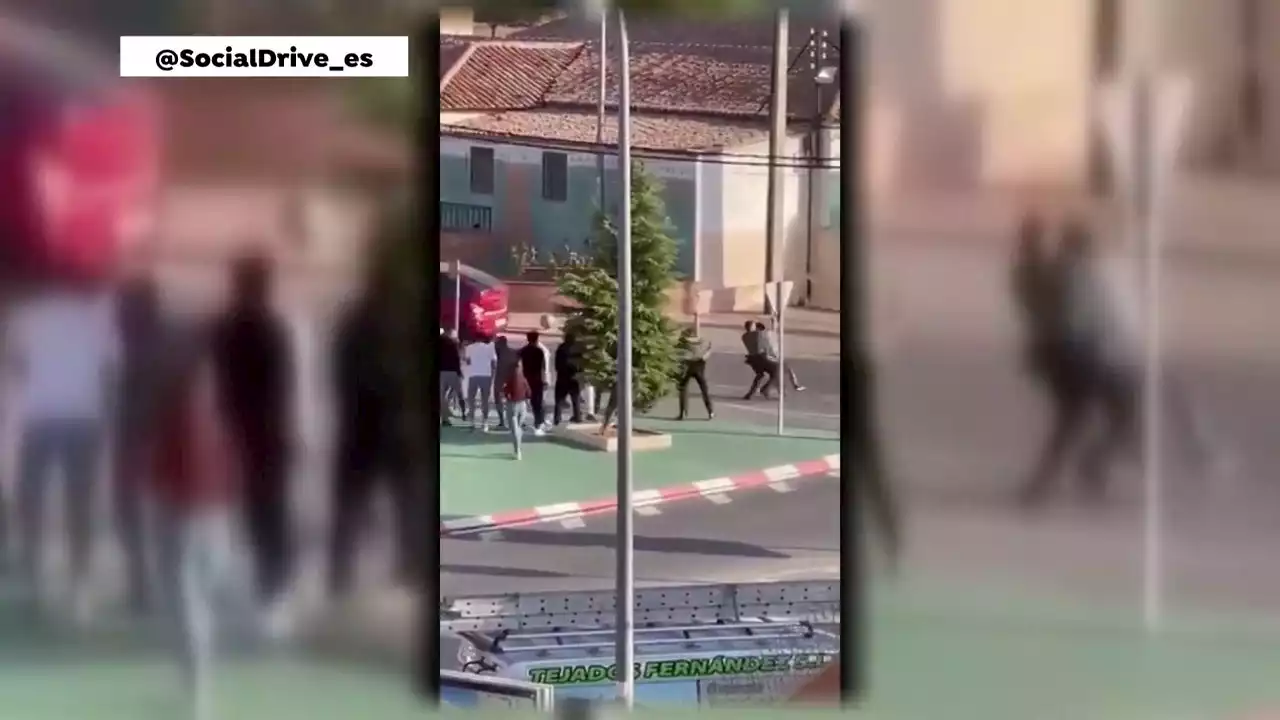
{"x": 481, "y": 297}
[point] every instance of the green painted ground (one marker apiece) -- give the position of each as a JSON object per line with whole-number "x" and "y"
{"x": 479, "y": 477}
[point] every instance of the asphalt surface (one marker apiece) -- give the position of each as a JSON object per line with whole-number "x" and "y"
{"x": 695, "y": 541}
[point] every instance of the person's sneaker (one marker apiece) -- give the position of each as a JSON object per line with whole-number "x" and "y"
{"x": 799, "y": 388}
{"x": 539, "y": 432}
{"x": 711, "y": 416}
{"x": 519, "y": 455}
{"x": 484, "y": 428}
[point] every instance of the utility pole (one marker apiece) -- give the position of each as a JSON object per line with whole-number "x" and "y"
{"x": 773, "y": 232}
{"x": 624, "y": 600}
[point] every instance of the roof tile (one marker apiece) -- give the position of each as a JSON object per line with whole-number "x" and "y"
{"x": 506, "y": 76}
{"x": 671, "y": 133}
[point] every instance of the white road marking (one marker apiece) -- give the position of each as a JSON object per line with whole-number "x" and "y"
{"x": 491, "y": 536}
{"x": 772, "y": 409}
{"x": 715, "y": 485}
{"x": 649, "y": 510}
{"x": 573, "y": 523}
{"x": 719, "y": 499}
{"x": 782, "y": 487}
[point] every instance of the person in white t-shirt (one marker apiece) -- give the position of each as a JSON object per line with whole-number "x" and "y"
{"x": 478, "y": 362}
{"x": 62, "y": 350}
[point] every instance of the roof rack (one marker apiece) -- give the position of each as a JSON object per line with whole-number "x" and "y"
{"x": 670, "y": 608}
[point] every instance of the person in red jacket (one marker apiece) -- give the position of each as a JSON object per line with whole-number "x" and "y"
{"x": 516, "y": 392}
{"x": 195, "y": 487}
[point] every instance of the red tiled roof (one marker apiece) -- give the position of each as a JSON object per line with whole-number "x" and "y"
{"x": 452, "y": 50}
{"x": 735, "y": 82}
{"x": 670, "y": 133}
{"x": 503, "y": 75}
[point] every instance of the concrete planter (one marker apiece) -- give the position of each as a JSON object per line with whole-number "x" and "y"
{"x": 589, "y": 437}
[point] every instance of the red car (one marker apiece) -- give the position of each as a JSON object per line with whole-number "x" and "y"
{"x": 481, "y": 297}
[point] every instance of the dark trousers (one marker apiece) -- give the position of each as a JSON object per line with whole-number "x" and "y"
{"x": 1076, "y": 390}
{"x": 766, "y": 375}
{"x": 567, "y": 389}
{"x": 537, "y": 400}
{"x": 267, "y": 518}
{"x": 362, "y": 466}
{"x": 695, "y": 371}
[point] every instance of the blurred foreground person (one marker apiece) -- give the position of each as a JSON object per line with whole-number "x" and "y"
{"x": 516, "y": 391}
{"x": 370, "y": 448}
{"x": 194, "y": 483}
{"x": 62, "y": 349}
{"x": 253, "y": 356}
{"x": 145, "y": 349}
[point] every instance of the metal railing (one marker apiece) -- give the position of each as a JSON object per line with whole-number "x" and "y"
{"x": 464, "y": 216}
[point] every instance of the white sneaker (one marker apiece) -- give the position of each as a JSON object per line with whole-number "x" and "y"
{"x": 484, "y": 428}
{"x": 539, "y": 432}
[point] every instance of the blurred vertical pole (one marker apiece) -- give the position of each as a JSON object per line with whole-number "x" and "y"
{"x": 774, "y": 229}
{"x": 862, "y": 488}
{"x": 425, "y": 423}
{"x": 625, "y": 596}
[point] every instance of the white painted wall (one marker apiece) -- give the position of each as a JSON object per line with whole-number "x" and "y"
{"x": 733, "y": 204}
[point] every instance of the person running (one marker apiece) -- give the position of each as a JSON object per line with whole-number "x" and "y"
{"x": 63, "y": 351}
{"x": 516, "y": 391}
{"x": 370, "y": 448}
{"x": 253, "y": 358}
{"x": 450, "y": 359}
{"x": 568, "y": 386}
{"x": 693, "y": 368}
{"x": 770, "y": 351}
{"x": 481, "y": 359}
{"x": 193, "y": 484}
{"x": 505, "y": 358}
{"x": 534, "y": 363}
{"x": 766, "y": 375}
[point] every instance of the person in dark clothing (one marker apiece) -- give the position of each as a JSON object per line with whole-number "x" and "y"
{"x": 693, "y": 368}
{"x": 567, "y": 385}
{"x": 766, "y": 374}
{"x": 370, "y": 448}
{"x": 533, "y": 363}
{"x": 1089, "y": 358}
{"x": 450, "y": 368}
{"x": 254, "y": 362}
{"x": 772, "y": 359}
{"x": 507, "y": 360}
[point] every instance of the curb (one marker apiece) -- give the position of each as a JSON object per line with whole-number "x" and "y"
{"x": 643, "y": 498}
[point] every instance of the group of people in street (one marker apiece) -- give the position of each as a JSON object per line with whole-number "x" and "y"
{"x": 197, "y": 417}
{"x": 489, "y": 373}
{"x": 1084, "y": 345}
